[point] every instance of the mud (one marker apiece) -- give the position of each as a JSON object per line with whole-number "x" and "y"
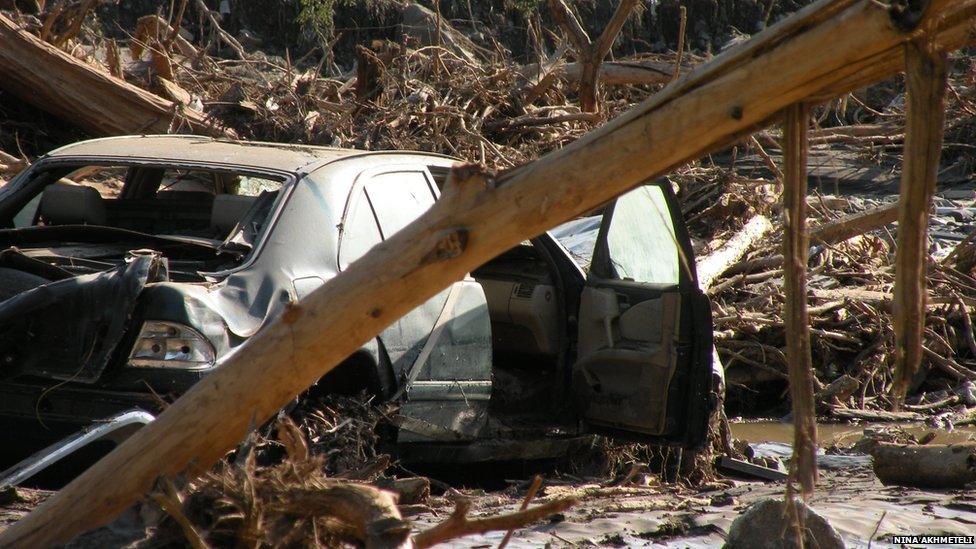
{"x": 648, "y": 513}
{"x": 844, "y": 434}
{"x": 865, "y": 513}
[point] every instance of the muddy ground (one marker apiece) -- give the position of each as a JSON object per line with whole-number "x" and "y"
{"x": 647, "y": 513}
{"x": 644, "y": 512}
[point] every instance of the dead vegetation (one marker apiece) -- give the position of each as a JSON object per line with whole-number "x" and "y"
{"x": 448, "y": 99}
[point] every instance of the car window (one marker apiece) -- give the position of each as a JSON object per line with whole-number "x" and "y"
{"x": 359, "y": 231}
{"x": 187, "y": 181}
{"x": 641, "y": 241}
{"x": 398, "y": 198}
{"x": 579, "y": 236}
{"x": 154, "y": 200}
{"x": 107, "y": 180}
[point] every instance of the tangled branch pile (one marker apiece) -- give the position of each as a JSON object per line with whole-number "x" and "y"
{"x": 851, "y": 262}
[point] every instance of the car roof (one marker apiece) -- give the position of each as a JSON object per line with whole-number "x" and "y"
{"x": 199, "y": 149}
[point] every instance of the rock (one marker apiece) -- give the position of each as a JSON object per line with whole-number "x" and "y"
{"x": 764, "y": 526}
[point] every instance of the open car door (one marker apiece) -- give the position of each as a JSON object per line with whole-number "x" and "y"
{"x": 644, "y": 357}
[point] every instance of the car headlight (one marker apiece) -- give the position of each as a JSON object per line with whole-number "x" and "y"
{"x": 171, "y": 345}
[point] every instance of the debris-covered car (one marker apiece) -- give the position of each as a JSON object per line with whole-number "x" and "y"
{"x": 131, "y": 266}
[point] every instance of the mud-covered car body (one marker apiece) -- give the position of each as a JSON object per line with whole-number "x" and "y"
{"x": 122, "y": 290}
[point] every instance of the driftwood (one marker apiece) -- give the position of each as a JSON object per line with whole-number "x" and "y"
{"x": 427, "y": 28}
{"x": 714, "y": 264}
{"x": 874, "y": 415}
{"x": 796, "y": 250}
{"x": 459, "y": 525}
{"x": 92, "y": 99}
{"x": 612, "y": 73}
{"x": 832, "y": 232}
{"x": 828, "y": 48}
{"x": 840, "y": 389}
{"x": 10, "y": 163}
{"x": 590, "y": 54}
{"x": 153, "y": 29}
{"x": 853, "y": 225}
{"x": 371, "y": 512}
{"x": 928, "y": 466}
{"x": 926, "y": 75}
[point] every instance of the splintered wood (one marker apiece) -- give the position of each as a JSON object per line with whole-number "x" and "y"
{"x": 925, "y": 74}
{"x": 796, "y": 250}
{"x": 92, "y": 99}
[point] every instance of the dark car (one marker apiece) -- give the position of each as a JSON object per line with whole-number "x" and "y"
{"x": 131, "y": 266}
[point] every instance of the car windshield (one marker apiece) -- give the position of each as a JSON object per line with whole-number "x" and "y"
{"x": 579, "y": 238}
{"x": 161, "y": 201}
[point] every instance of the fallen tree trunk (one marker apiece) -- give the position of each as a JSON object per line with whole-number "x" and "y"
{"x": 926, "y": 76}
{"x": 853, "y": 225}
{"x": 92, "y": 99}
{"x": 812, "y": 54}
{"x": 714, "y": 264}
{"x": 929, "y": 466}
{"x": 831, "y": 232}
{"x": 612, "y": 73}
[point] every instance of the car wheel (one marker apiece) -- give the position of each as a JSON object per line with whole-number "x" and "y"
{"x": 13, "y": 282}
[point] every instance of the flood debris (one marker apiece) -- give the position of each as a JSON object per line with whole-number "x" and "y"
{"x": 938, "y": 466}
{"x": 437, "y": 88}
{"x": 288, "y": 489}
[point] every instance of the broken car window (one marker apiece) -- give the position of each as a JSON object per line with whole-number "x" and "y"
{"x": 161, "y": 201}
{"x": 253, "y": 186}
{"x": 107, "y": 180}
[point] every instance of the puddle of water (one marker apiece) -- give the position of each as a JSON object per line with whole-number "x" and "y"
{"x": 843, "y": 433}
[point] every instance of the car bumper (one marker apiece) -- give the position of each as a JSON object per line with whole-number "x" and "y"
{"x": 33, "y": 416}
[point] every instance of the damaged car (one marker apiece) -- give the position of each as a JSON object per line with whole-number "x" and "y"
{"x": 132, "y": 266}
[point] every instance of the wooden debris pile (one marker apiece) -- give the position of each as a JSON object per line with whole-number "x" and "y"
{"x": 398, "y": 95}
{"x": 317, "y": 481}
{"x": 853, "y": 238}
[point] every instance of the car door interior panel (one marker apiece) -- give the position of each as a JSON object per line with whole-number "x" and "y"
{"x": 626, "y": 355}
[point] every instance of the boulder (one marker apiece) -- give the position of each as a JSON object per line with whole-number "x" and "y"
{"x": 764, "y": 525}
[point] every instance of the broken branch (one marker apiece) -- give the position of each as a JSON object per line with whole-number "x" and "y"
{"x": 459, "y": 525}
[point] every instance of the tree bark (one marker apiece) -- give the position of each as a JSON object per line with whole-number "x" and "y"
{"x": 476, "y": 219}
{"x": 714, "y": 264}
{"x": 612, "y": 73}
{"x": 590, "y": 54}
{"x": 372, "y": 513}
{"x": 925, "y": 74}
{"x": 930, "y": 466}
{"x": 79, "y": 93}
{"x": 796, "y": 250}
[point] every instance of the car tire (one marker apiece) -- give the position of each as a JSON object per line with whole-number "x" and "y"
{"x": 14, "y": 282}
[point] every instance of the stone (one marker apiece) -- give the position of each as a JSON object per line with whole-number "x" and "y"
{"x": 764, "y": 525}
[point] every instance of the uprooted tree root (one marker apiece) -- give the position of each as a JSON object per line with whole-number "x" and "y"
{"x": 296, "y": 503}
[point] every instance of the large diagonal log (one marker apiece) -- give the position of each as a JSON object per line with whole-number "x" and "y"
{"x": 926, "y": 77}
{"x": 86, "y": 96}
{"x": 478, "y": 218}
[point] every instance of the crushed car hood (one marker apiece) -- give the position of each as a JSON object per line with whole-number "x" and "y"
{"x": 68, "y": 329}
